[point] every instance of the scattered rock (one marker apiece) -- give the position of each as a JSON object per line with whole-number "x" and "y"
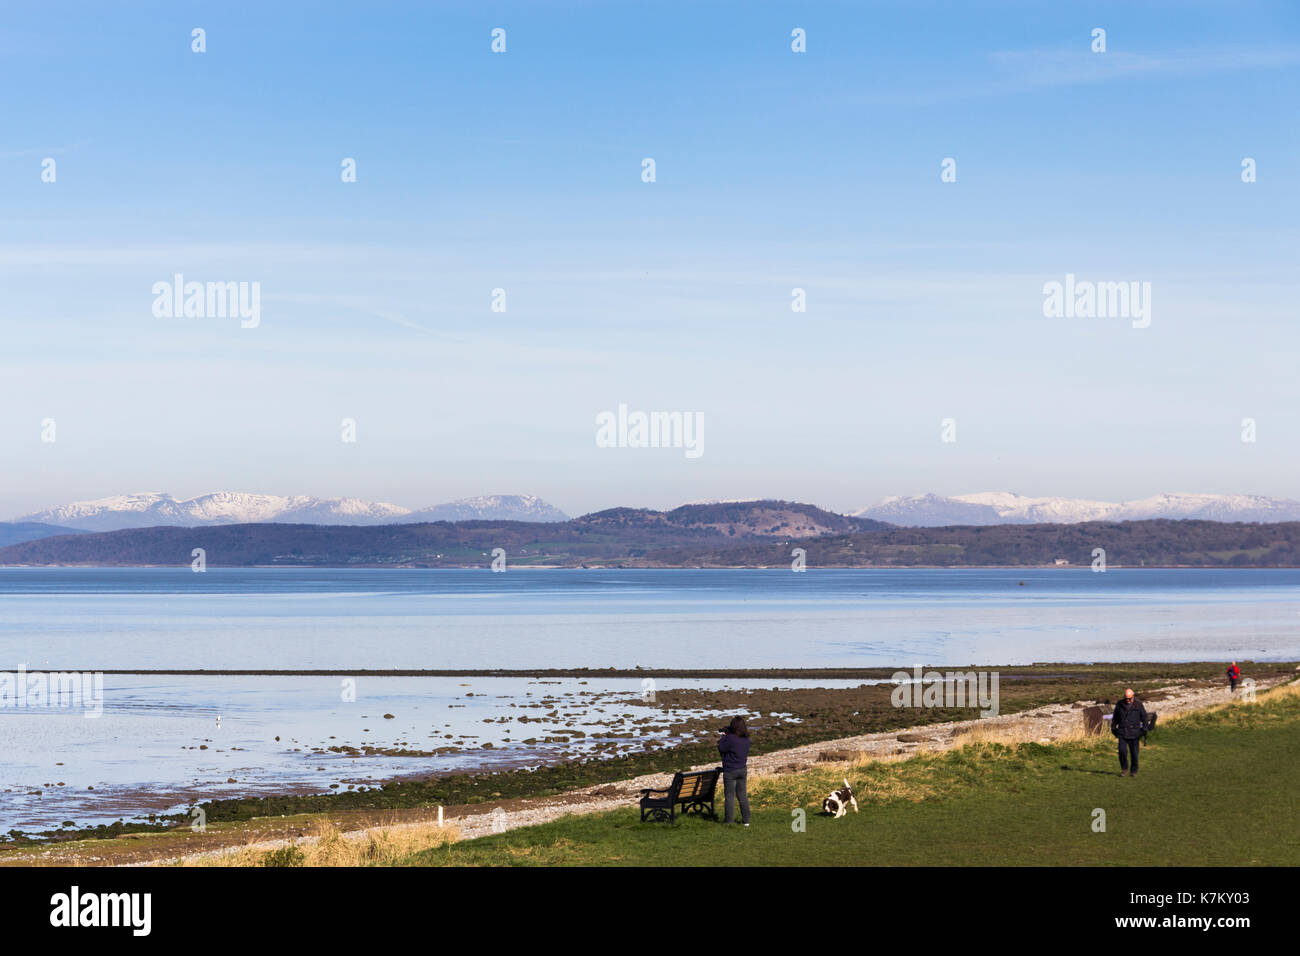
{"x": 837, "y": 756}
{"x": 1092, "y": 720}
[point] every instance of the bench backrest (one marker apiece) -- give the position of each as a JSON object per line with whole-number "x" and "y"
{"x": 696, "y": 785}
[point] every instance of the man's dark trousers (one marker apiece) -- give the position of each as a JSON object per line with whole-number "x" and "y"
{"x": 1128, "y": 749}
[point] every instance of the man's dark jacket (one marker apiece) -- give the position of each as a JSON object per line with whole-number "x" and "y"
{"x": 1130, "y": 720}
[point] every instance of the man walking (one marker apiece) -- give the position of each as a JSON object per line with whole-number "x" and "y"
{"x": 1129, "y": 725}
{"x": 1234, "y": 675}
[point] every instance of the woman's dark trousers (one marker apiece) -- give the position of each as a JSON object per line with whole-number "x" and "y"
{"x": 733, "y": 782}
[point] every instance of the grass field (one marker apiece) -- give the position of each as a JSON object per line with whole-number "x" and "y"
{"x": 1217, "y": 787}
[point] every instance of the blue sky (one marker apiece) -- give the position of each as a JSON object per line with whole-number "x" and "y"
{"x": 522, "y": 171}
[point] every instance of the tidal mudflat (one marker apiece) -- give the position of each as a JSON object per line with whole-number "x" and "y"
{"x": 164, "y": 742}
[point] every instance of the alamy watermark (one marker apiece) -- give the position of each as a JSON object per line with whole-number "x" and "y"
{"x": 208, "y": 300}
{"x": 46, "y": 689}
{"x": 631, "y": 429}
{"x": 953, "y": 689}
{"x": 1085, "y": 299}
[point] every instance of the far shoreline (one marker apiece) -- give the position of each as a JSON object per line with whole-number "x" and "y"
{"x": 1041, "y": 669}
{"x": 614, "y": 567}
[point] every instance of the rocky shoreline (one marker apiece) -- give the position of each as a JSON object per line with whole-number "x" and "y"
{"x": 1044, "y": 724}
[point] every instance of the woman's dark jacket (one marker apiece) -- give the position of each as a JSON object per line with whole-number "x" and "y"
{"x": 734, "y": 751}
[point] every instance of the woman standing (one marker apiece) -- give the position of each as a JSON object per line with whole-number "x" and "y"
{"x": 734, "y": 747}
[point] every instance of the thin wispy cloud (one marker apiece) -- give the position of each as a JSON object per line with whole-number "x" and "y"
{"x": 1028, "y": 68}
{"x": 357, "y": 304}
{"x": 1011, "y": 72}
{"x": 23, "y": 153}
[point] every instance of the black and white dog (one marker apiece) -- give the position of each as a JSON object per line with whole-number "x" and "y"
{"x": 837, "y": 804}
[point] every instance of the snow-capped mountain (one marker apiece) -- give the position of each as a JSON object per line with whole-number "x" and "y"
{"x": 1023, "y": 510}
{"x": 1213, "y": 508}
{"x": 228, "y": 507}
{"x": 1000, "y": 507}
{"x": 928, "y": 511}
{"x": 222, "y": 507}
{"x": 491, "y": 508}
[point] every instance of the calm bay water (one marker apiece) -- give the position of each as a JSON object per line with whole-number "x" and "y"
{"x": 158, "y": 745}
{"x": 336, "y": 619}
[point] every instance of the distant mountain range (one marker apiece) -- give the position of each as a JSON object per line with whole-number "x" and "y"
{"x": 762, "y": 534}
{"x": 271, "y": 529}
{"x": 616, "y": 536}
{"x": 150, "y": 509}
{"x": 1000, "y": 507}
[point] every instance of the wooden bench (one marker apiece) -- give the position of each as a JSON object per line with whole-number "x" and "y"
{"x": 693, "y": 790}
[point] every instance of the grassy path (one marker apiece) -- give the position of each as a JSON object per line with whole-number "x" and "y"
{"x": 1219, "y": 787}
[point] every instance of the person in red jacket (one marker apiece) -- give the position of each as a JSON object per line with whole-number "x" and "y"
{"x": 1234, "y": 675}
